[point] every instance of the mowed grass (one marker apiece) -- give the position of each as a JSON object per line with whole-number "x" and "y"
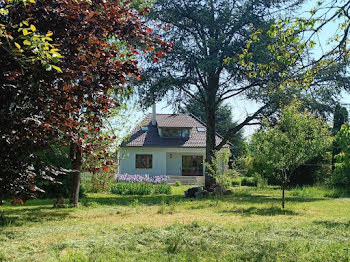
{"x": 247, "y": 225}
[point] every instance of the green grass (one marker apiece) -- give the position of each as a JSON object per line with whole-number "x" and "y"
{"x": 247, "y": 225}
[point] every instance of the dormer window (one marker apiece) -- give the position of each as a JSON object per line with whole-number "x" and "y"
{"x": 176, "y": 132}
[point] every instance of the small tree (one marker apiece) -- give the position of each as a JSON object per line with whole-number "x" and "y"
{"x": 218, "y": 170}
{"x": 341, "y": 176}
{"x": 294, "y": 140}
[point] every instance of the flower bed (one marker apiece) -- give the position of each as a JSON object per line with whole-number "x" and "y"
{"x": 140, "y": 185}
{"x": 141, "y": 178}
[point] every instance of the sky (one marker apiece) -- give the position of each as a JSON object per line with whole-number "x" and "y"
{"x": 241, "y": 107}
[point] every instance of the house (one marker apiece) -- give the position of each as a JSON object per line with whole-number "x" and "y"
{"x": 166, "y": 144}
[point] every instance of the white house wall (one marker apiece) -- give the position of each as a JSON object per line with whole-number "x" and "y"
{"x": 165, "y": 161}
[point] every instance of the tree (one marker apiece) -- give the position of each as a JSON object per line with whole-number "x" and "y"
{"x": 341, "y": 172}
{"x": 296, "y": 139}
{"x": 225, "y": 49}
{"x": 340, "y": 117}
{"x": 98, "y": 44}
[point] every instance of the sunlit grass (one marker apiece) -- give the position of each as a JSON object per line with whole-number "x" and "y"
{"x": 247, "y": 225}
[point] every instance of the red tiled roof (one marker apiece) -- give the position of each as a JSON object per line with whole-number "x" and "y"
{"x": 151, "y": 138}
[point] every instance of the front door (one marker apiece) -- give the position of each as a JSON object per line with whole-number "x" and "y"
{"x": 192, "y": 165}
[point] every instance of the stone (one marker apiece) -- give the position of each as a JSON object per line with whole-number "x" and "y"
{"x": 228, "y": 192}
{"x": 192, "y": 191}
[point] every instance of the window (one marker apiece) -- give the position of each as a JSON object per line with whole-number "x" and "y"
{"x": 172, "y": 132}
{"x": 144, "y": 128}
{"x": 201, "y": 129}
{"x": 143, "y": 161}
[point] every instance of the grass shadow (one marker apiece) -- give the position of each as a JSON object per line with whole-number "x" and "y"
{"x": 271, "y": 211}
{"x": 20, "y": 216}
{"x": 144, "y": 200}
{"x": 333, "y": 224}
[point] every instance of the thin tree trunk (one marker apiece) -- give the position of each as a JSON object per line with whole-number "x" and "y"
{"x": 283, "y": 200}
{"x": 76, "y": 166}
{"x": 284, "y": 184}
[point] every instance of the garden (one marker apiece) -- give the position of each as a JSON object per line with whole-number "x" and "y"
{"x": 271, "y": 77}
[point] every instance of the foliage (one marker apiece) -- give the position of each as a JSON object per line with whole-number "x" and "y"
{"x": 296, "y": 139}
{"x": 248, "y": 181}
{"x": 315, "y": 171}
{"x": 140, "y": 188}
{"x": 177, "y": 183}
{"x": 96, "y": 48}
{"x": 341, "y": 174}
{"x": 97, "y": 182}
{"x": 161, "y": 189}
{"x": 341, "y": 116}
{"x": 237, "y": 181}
{"x": 218, "y": 168}
{"x": 254, "y": 180}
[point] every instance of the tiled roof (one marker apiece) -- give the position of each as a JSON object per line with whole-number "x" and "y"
{"x": 151, "y": 138}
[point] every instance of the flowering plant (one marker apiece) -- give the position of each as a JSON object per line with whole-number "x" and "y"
{"x": 141, "y": 178}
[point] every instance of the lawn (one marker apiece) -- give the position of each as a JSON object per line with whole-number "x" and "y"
{"x": 247, "y": 225}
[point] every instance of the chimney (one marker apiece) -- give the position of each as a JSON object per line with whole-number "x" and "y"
{"x": 154, "y": 122}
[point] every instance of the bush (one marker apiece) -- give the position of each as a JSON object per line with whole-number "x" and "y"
{"x": 61, "y": 190}
{"x": 177, "y": 183}
{"x": 236, "y": 181}
{"x": 162, "y": 189}
{"x": 249, "y": 181}
{"x": 98, "y": 182}
{"x": 124, "y": 188}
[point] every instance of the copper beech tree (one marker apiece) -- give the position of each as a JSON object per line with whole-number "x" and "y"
{"x": 67, "y": 101}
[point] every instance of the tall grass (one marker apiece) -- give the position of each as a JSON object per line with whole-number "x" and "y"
{"x": 319, "y": 191}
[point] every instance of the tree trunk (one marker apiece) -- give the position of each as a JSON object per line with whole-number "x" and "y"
{"x": 76, "y": 166}
{"x": 210, "y": 109}
{"x": 284, "y": 184}
{"x": 283, "y": 200}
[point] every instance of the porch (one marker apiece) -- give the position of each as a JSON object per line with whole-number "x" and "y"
{"x": 186, "y": 180}
{"x": 184, "y": 164}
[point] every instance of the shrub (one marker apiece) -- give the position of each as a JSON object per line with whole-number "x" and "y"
{"x": 177, "y": 183}
{"x": 98, "y": 182}
{"x": 162, "y": 189}
{"x": 236, "y": 181}
{"x": 249, "y": 181}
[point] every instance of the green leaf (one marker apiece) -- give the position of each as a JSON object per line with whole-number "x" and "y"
{"x": 17, "y": 45}
{"x": 57, "y": 68}
{"x": 26, "y": 42}
{"x": 25, "y": 32}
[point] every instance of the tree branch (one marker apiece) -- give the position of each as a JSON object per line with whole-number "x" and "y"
{"x": 232, "y": 131}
